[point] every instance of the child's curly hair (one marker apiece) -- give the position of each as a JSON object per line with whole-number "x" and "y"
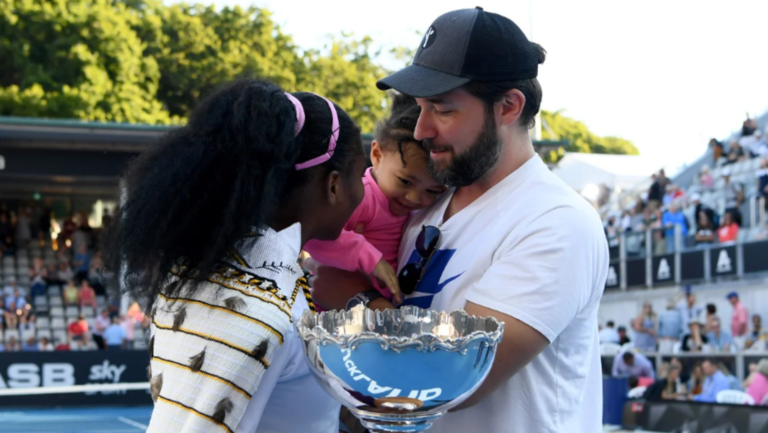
{"x": 398, "y": 129}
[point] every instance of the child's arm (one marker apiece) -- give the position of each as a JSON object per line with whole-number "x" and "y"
{"x": 350, "y": 251}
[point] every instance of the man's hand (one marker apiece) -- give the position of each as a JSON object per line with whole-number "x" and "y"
{"x": 519, "y": 345}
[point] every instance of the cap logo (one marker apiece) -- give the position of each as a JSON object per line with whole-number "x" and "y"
{"x": 429, "y": 37}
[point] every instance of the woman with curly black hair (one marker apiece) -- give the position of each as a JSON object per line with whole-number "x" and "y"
{"x": 215, "y": 216}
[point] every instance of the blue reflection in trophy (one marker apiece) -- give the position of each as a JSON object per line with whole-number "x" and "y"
{"x": 399, "y": 370}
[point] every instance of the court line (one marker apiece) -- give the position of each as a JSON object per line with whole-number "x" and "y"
{"x": 132, "y": 423}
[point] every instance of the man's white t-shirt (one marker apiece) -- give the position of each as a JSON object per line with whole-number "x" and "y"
{"x": 533, "y": 249}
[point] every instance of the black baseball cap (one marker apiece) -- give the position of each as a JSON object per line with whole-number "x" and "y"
{"x": 462, "y": 46}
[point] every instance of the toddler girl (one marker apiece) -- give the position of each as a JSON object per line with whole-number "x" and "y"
{"x": 396, "y": 185}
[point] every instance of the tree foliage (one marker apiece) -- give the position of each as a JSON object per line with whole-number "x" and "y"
{"x": 145, "y": 62}
{"x": 581, "y": 139}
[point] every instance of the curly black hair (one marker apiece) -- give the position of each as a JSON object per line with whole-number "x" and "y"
{"x": 202, "y": 187}
{"x": 399, "y": 128}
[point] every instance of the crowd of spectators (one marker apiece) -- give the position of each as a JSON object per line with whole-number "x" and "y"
{"x": 53, "y": 296}
{"x": 687, "y": 326}
{"x": 707, "y": 211}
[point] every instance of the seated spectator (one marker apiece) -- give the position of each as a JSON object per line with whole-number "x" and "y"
{"x": 27, "y": 323}
{"x": 12, "y": 345}
{"x": 87, "y": 295}
{"x": 655, "y": 193}
{"x": 717, "y": 150}
{"x": 71, "y": 294}
{"x": 30, "y": 346}
{"x": 705, "y": 231}
{"x": 78, "y": 332}
{"x": 758, "y": 387}
{"x": 752, "y": 144}
{"x": 45, "y": 345}
{"x": 762, "y": 180}
{"x": 630, "y": 364}
{"x": 734, "y": 196}
{"x": 695, "y": 340}
{"x": 128, "y": 323}
{"x": 756, "y": 339}
{"x": 609, "y": 334}
{"x": 733, "y": 381}
{"x": 65, "y": 272}
{"x": 114, "y": 336}
{"x": 705, "y": 178}
{"x": 715, "y": 382}
{"x": 82, "y": 263}
{"x": 729, "y": 232}
{"x": 134, "y": 312}
{"x": 17, "y": 298}
{"x": 96, "y": 266}
{"x": 711, "y": 317}
{"x": 11, "y": 315}
{"x": 668, "y": 388}
{"x": 672, "y": 194}
{"x": 52, "y": 275}
{"x": 719, "y": 340}
{"x": 735, "y": 153}
{"x": 10, "y": 286}
{"x": 102, "y": 323}
{"x": 623, "y": 337}
{"x": 673, "y": 218}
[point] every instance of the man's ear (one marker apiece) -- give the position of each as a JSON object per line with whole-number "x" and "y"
{"x": 376, "y": 154}
{"x": 512, "y": 106}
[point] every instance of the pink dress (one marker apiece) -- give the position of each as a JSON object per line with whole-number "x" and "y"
{"x": 380, "y": 238}
{"x": 758, "y": 388}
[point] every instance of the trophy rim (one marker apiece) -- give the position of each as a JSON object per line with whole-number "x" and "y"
{"x": 310, "y": 328}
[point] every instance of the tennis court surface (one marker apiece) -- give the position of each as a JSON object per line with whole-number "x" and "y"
{"x": 76, "y": 420}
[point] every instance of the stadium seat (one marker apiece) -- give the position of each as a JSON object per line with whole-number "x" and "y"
{"x": 58, "y": 323}
{"x": 26, "y": 334}
{"x": 101, "y": 300}
{"x": 44, "y": 333}
{"x": 55, "y": 301}
{"x": 60, "y": 337}
{"x": 56, "y": 311}
{"x": 732, "y": 396}
{"x": 42, "y": 322}
{"x": 140, "y": 345}
{"x": 54, "y": 291}
{"x": 72, "y": 311}
{"x": 8, "y": 261}
{"x": 88, "y": 311}
{"x": 41, "y": 302}
{"x": 11, "y": 333}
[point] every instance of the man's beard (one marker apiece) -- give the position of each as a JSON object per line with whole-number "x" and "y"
{"x": 466, "y": 168}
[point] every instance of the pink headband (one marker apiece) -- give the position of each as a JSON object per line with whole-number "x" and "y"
{"x": 301, "y": 117}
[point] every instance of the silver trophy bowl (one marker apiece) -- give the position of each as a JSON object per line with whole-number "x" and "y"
{"x": 399, "y": 370}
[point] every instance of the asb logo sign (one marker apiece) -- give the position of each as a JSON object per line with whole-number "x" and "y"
{"x": 28, "y": 375}
{"x": 663, "y": 272}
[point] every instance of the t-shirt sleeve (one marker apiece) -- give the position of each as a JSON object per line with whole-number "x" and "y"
{"x": 545, "y": 276}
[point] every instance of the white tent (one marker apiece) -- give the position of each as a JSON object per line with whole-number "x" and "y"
{"x": 616, "y": 172}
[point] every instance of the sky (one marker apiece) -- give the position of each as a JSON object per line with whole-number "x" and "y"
{"x": 667, "y": 75}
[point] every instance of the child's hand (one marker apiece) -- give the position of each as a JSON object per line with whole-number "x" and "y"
{"x": 384, "y": 272}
